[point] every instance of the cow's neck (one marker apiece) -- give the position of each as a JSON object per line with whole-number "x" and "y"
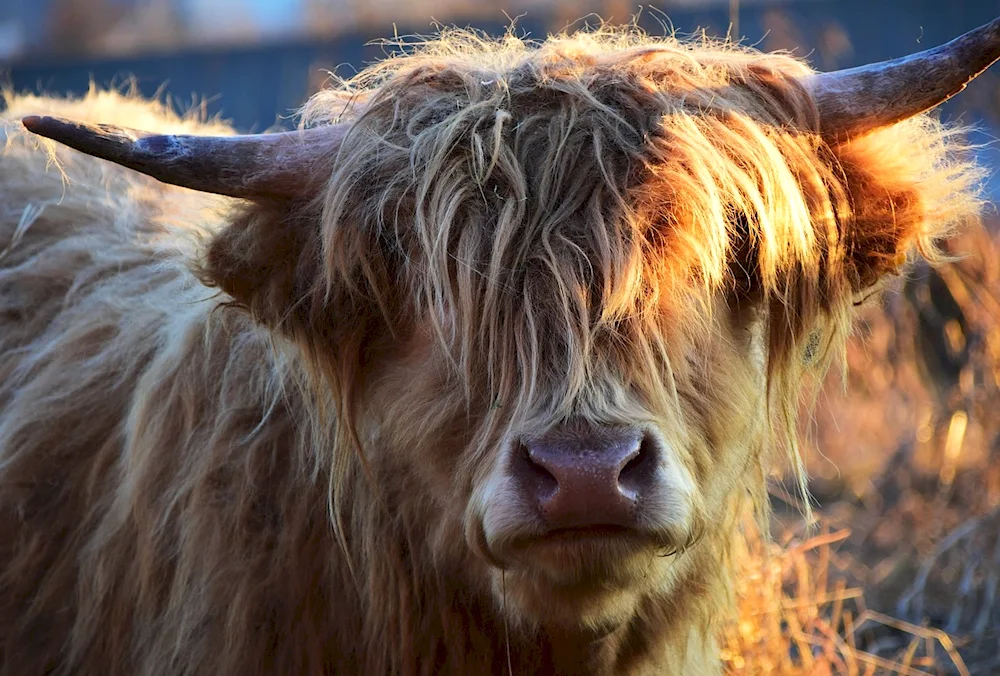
{"x": 423, "y": 620}
{"x": 648, "y": 645}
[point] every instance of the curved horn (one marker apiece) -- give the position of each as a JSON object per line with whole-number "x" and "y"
{"x": 858, "y": 100}
{"x": 280, "y": 165}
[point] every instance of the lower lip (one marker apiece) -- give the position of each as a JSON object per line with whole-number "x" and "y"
{"x": 601, "y": 536}
{"x": 579, "y": 558}
{"x": 589, "y": 533}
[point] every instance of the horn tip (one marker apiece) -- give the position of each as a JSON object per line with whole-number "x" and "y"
{"x": 44, "y": 125}
{"x": 32, "y": 122}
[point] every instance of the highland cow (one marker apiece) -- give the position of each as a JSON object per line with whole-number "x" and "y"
{"x": 475, "y": 372}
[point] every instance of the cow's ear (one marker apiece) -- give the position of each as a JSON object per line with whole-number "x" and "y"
{"x": 899, "y": 192}
{"x": 267, "y": 259}
{"x": 883, "y": 225}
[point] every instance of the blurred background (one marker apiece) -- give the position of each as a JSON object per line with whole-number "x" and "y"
{"x": 905, "y": 456}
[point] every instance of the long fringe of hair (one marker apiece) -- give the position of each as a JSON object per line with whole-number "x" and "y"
{"x": 538, "y": 200}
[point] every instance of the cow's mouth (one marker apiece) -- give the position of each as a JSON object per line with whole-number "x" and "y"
{"x": 580, "y": 557}
{"x": 571, "y": 555}
{"x": 588, "y": 533}
{"x": 579, "y": 579}
{"x": 597, "y": 541}
{"x": 582, "y": 580}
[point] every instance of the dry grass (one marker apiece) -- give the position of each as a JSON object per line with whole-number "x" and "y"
{"x": 904, "y": 575}
{"x": 799, "y": 615}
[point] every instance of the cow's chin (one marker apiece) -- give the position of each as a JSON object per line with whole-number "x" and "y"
{"x": 582, "y": 583}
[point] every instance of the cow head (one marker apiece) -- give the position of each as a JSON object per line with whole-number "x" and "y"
{"x": 564, "y": 296}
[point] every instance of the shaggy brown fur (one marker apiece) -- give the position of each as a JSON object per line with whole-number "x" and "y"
{"x": 607, "y": 227}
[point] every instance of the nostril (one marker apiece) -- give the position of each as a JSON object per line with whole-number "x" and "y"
{"x": 541, "y": 483}
{"x": 638, "y": 472}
